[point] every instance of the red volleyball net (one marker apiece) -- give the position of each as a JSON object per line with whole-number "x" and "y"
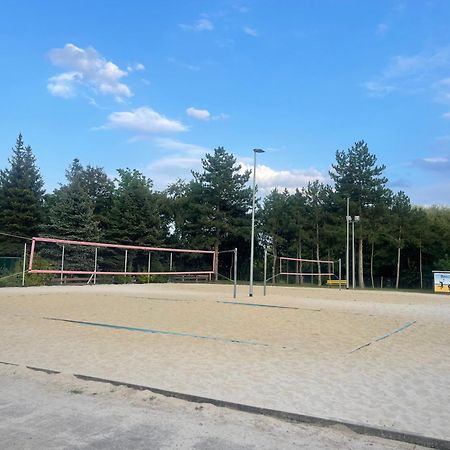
{"x": 69, "y": 257}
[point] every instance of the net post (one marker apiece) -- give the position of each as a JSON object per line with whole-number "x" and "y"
{"x": 24, "y": 263}
{"x": 30, "y": 262}
{"x": 279, "y": 271}
{"x": 148, "y": 267}
{"x": 265, "y": 272}
{"x": 95, "y": 266}
{"x": 62, "y": 264}
{"x": 126, "y": 264}
{"x": 340, "y": 273}
{"x": 171, "y": 262}
{"x": 235, "y": 272}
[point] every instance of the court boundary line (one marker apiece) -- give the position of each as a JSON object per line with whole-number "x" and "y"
{"x": 153, "y": 331}
{"x": 384, "y": 433}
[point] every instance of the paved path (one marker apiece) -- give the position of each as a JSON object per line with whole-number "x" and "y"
{"x": 41, "y": 411}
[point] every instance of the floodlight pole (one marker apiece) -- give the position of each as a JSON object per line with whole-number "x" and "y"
{"x": 353, "y": 219}
{"x": 353, "y": 254}
{"x": 340, "y": 273}
{"x": 265, "y": 271}
{"x": 24, "y": 263}
{"x": 347, "y": 255}
{"x": 252, "y": 244}
{"x": 235, "y": 253}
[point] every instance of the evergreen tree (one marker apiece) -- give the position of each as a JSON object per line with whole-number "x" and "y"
{"x": 71, "y": 216}
{"x": 275, "y": 219}
{"x": 96, "y": 184}
{"x": 135, "y": 215}
{"x": 357, "y": 176}
{"x": 401, "y": 219}
{"x": 219, "y": 202}
{"x": 21, "y": 199}
{"x": 317, "y": 199}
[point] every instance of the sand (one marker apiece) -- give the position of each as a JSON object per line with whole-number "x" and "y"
{"x": 299, "y": 359}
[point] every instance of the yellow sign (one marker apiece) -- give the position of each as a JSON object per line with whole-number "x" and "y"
{"x": 442, "y": 282}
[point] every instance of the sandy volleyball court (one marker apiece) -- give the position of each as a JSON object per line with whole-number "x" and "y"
{"x": 377, "y": 358}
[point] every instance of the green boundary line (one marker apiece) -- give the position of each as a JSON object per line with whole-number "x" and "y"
{"x": 149, "y": 330}
{"x": 257, "y": 304}
{"x": 398, "y": 330}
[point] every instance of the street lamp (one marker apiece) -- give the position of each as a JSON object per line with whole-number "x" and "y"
{"x": 347, "y": 253}
{"x": 353, "y": 220}
{"x": 252, "y": 244}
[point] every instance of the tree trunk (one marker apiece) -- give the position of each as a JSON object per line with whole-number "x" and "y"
{"x": 420, "y": 265}
{"x": 329, "y": 265}
{"x": 360, "y": 263}
{"x": 371, "y": 265}
{"x": 216, "y": 260}
{"x": 397, "y": 281}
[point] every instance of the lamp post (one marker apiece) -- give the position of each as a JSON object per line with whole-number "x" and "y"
{"x": 347, "y": 254}
{"x": 353, "y": 220}
{"x": 252, "y": 244}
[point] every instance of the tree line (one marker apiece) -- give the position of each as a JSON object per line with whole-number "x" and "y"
{"x": 395, "y": 241}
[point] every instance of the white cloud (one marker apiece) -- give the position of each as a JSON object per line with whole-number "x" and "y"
{"x": 63, "y": 85}
{"x": 138, "y": 67}
{"x": 446, "y": 115}
{"x": 378, "y": 89}
{"x": 199, "y": 25}
{"x": 420, "y": 72}
{"x": 268, "y": 178}
{"x": 178, "y": 146}
{"x": 201, "y": 114}
{"x": 173, "y": 163}
{"x": 250, "y": 31}
{"x": 144, "y": 119}
{"x": 183, "y": 159}
{"x": 86, "y": 68}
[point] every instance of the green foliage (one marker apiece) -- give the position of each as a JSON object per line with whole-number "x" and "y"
{"x": 21, "y": 199}
{"x": 397, "y": 241}
{"x": 39, "y": 279}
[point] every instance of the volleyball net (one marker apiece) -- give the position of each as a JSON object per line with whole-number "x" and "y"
{"x": 302, "y": 270}
{"x": 69, "y": 257}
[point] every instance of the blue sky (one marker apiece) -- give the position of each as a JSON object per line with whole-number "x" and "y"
{"x": 155, "y": 85}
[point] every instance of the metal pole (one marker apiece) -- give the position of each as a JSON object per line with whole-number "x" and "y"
{"x": 353, "y": 254}
{"x": 235, "y": 273}
{"x": 30, "y": 261}
{"x": 62, "y": 264}
{"x": 24, "y": 263}
{"x": 126, "y": 264}
{"x": 265, "y": 271}
{"x": 95, "y": 265}
{"x": 252, "y": 242}
{"x": 148, "y": 267}
{"x": 347, "y": 255}
{"x": 340, "y": 272}
{"x": 171, "y": 262}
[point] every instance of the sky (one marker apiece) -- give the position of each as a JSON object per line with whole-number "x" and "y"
{"x": 155, "y": 85}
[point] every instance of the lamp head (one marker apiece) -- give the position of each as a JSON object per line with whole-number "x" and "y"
{"x": 357, "y": 218}
{"x": 258, "y": 150}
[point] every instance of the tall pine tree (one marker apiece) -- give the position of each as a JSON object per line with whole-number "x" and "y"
{"x": 21, "y": 199}
{"x": 357, "y": 176}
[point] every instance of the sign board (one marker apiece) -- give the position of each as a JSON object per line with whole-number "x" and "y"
{"x": 441, "y": 281}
